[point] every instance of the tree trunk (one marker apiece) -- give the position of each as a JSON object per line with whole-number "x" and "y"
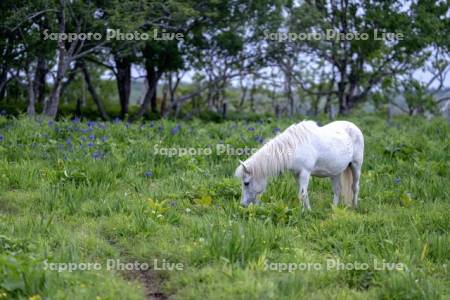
{"x": 224, "y": 110}
{"x": 39, "y": 79}
{"x": 3, "y": 81}
{"x": 70, "y": 77}
{"x": 78, "y": 108}
{"x": 289, "y": 95}
{"x": 328, "y": 109}
{"x": 154, "y": 102}
{"x": 31, "y": 111}
{"x": 342, "y": 97}
{"x": 244, "y": 90}
{"x": 51, "y": 107}
{"x": 252, "y": 98}
{"x": 351, "y": 98}
{"x": 277, "y": 111}
{"x": 171, "y": 89}
{"x": 316, "y": 105}
{"x": 91, "y": 88}
{"x": 163, "y": 106}
{"x": 209, "y": 98}
{"x": 4, "y": 68}
{"x": 150, "y": 96}
{"x": 123, "y": 77}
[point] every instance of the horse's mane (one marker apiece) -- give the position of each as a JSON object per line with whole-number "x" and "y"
{"x": 276, "y": 155}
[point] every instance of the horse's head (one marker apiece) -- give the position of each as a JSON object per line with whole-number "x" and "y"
{"x": 252, "y": 185}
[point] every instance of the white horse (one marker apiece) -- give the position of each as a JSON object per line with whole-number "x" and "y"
{"x": 335, "y": 150}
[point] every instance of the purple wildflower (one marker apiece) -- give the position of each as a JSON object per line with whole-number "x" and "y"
{"x": 97, "y": 155}
{"x": 397, "y": 180}
{"x": 1, "y": 138}
{"x": 148, "y": 174}
{"x": 176, "y": 129}
{"x": 92, "y": 137}
{"x": 90, "y": 145}
{"x": 251, "y": 129}
{"x": 103, "y": 139}
{"x": 259, "y": 139}
{"x": 276, "y": 130}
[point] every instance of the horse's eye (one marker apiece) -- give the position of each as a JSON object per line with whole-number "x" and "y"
{"x": 246, "y": 183}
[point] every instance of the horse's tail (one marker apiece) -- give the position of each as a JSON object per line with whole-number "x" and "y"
{"x": 346, "y": 186}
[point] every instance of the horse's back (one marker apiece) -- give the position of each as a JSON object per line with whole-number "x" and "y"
{"x": 353, "y": 132}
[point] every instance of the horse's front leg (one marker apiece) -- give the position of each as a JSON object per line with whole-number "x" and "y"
{"x": 303, "y": 181}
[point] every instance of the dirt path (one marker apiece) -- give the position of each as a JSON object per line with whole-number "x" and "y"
{"x": 151, "y": 283}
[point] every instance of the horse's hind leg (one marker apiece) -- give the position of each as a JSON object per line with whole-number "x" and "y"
{"x": 303, "y": 181}
{"x": 335, "y": 180}
{"x": 356, "y": 170}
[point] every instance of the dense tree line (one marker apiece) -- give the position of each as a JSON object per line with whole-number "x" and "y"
{"x": 229, "y": 41}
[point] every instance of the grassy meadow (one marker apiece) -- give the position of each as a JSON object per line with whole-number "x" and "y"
{"x": 86, "y": 192}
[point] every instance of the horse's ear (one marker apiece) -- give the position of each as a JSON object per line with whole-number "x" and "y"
{"x": 246, "y": 170}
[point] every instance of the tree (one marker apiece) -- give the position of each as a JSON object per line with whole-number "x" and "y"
{"x": 22, "y": 49}
{"x": 358, "y": 64}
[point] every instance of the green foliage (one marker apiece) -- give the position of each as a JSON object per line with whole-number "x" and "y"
{"x": 20, "y": 273}
{"x": 417, "y": 98}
